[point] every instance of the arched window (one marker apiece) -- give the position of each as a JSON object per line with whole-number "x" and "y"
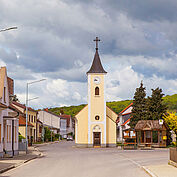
{"x": 97, "y": 117}
{"x": 97, "y": 91}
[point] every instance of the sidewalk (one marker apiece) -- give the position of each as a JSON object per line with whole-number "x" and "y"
{"x": 161, "y": 170}
{"x": 9, "y": 163}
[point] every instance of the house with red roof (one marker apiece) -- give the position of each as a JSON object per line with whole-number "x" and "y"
{"x": 50, "y": 120}
{"x": 32, "y": 119}
{"x": 69, "y": 127}
{"x": 123, "y": 128}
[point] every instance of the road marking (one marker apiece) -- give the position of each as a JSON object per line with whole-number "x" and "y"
{"x": 140, "y": 166}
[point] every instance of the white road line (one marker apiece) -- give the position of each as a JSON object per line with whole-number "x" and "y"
{"x": 140, "y": 166}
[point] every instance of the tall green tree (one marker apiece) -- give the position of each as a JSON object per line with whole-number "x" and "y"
{"x": 155, "y": 107}
{"x": 139, "y": 106}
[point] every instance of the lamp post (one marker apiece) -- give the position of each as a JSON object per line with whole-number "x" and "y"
{"x": 7, "y": 29}
{"x": 27, "y": 100}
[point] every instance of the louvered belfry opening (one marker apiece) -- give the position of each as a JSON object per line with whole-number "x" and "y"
{"x": 97, "y": 91}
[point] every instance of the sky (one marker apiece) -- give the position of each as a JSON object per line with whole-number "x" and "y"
{"x": 54, "y": 40}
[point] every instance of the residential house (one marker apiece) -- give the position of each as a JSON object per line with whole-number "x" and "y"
{"x": 70, "y": 124}
{"x": 8, "y": 117}
{"x": 22, "y": 127}
{"x": 49, "y": 120}
{"x": 63, "y": 127}
{"x": 39, "y": 130}
{"x": 123, "y": 129}
{"x": 32, "y": 119}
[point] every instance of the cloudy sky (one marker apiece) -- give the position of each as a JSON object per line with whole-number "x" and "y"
{"x": 54, "y": 40}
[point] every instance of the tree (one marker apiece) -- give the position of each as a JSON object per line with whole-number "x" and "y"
{"x": 155, "y": 108}
{"x": 139, "y": 106}
{"x": 171, "y": 121}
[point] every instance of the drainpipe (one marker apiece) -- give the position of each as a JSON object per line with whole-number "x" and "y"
{"x": 13, "y": 137}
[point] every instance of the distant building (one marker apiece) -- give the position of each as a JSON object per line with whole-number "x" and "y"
{"x": 32, "y": 119}
{"x": 39, "y": 130}
{"x": 123, "y": 128}
{"x": 50, "y": 120}
{"x": 67, "y": 124}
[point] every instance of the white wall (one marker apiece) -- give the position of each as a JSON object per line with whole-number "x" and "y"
{"x": 63, "y": 126}
{"x": 49, "y": 119}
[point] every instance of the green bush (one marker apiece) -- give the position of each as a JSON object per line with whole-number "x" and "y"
{"x": 20, "y": 137}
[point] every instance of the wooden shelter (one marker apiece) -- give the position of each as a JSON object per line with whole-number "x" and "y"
{"x": 151, "y": 133}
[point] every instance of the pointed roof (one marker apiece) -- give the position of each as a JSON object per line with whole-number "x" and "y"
{"x": 96, "y": 65}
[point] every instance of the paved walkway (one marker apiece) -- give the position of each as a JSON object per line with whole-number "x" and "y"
{"x": 9, "y": 163}
{"x": 162, "y": 170}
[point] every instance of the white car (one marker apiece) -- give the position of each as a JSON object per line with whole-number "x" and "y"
{"x": 69, "y": 138}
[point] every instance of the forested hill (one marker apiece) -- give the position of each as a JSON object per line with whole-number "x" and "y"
{"x": 117, "y": 106}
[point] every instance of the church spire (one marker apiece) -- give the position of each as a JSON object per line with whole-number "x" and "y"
{"x": 96, "y": 65}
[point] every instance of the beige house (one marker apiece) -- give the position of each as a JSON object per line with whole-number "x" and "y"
{"x": 32, "y": 119}
{"x": 95, "y": 124}
{"x": 39, "y": 130}
{"x": 8, "y": 118}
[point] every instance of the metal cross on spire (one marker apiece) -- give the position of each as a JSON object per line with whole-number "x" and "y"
{"x": 97, "y": 40}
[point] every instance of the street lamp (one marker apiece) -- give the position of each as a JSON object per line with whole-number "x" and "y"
{"x": 27, "y": 100}
{"x": 7, "y": 29}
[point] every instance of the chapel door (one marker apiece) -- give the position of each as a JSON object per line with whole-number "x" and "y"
{"x": 96, "y": 138}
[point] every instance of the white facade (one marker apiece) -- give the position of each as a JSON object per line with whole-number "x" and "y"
{"x": 50, "y": 120}
{"x": 63, "y": 127}
{"x": 8, "y": 124}
{"x": 124, "y": 119}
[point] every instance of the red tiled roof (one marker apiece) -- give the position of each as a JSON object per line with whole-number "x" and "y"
{"x": 65, "y": 116}
{"x": 126, "y": 113}
{"x": 2, "y": 105}
{"x": 126, "y": 108}
{"x": 22, "y": 121}
{"x": 126, "y": 122}
{"x": 23, "y": 106}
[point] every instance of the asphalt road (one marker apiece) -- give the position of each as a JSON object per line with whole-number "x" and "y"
{"x": 64, "y": 160}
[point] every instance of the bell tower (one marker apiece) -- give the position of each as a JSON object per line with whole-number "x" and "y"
{"x": 96, "y": 102}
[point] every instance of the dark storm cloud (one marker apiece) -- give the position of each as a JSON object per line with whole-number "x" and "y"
{"x": 148, "y": 10}
{"x": 52, "y": 35}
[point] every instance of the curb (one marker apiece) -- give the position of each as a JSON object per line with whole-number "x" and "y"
{"x": 21, "y": 163}
{"x": 170, "y": 162}
{"x": 148, "y": 171}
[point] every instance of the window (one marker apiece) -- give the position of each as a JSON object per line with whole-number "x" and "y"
{"x": 160, "y": 136}
{"x": 142, "y": 136}
{"x": 155, "y": 136}
{"x": 4, "y": 94}
{"x": 97, "y": 117}
{"x": 29, "y": 118}
{"x": 97, "y": 91}
{"x": 34, "y": 118}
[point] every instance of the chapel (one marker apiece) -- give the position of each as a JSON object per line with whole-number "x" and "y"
{"x": 95, "y": 124}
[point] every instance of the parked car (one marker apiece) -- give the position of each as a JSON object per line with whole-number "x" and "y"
{"x": 69, "y": 138}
